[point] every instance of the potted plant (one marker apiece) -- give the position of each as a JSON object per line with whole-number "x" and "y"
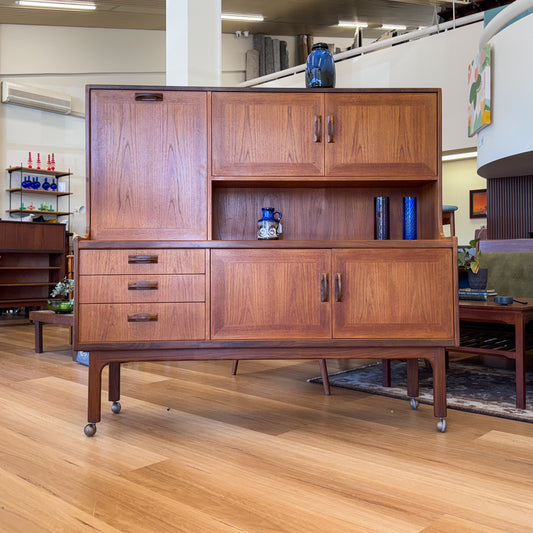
{"x": 468, "y": 260}
{"x": 64, "y": 288}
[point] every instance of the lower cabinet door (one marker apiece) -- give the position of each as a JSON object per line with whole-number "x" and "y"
{"x": 393, "y": 294}
{"x": 141, "y": 322}
{"x": 270, "y": 294}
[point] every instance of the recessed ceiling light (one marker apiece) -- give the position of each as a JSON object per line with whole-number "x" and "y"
{"x": 393, "y": 27}
{"x": 248, "y": 18}
{"x": 348, "y": 24}
{"x": 57, "y": 4}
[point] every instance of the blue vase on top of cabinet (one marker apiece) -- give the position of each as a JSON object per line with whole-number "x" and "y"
{"x": 320, "y": 67}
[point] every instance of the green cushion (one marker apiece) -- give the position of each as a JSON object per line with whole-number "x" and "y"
{"x": 510, "y": 273}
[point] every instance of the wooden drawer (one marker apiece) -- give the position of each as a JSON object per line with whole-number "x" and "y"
{"x": 149, "y": 261}
{"x": 142, "y": 288}
{"x": 144, "y": 322}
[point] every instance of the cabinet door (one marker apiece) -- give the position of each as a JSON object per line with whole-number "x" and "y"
{"x": 394, "y": 294}
{"x": 261, "y": 134}
{"x": 392, "y": 135}
{"x": 148, "y": 164}
{"x": 270, "y": 294}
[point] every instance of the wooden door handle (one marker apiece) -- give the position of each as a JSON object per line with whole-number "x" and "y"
{"x": 142, "y": 285}
{"x": 148, "y": 97}
{"x": 142, "y": 259}
{"x": 324, "y": 287}
{"x": 143, "y": 317}
{"x": 331, "y": 129}
{"x": 338, "y": 287}
{"x": 317, "y": 138}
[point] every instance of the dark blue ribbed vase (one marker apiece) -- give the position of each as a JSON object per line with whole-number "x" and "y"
{"x": 381, "y": 218}
{"x": 409, "y": 218}
{"x": 320, "y": 67}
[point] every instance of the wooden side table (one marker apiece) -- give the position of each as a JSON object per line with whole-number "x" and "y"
{"x": 517, "y": 315}
{"x": 49, "y": 317}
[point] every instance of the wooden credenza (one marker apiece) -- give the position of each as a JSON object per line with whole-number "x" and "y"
{"x": 172, "y": 269}
{"x": 32, "y": 261}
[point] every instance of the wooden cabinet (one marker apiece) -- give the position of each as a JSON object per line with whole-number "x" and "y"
{"x": 32, "y": 261}
{"x": 392, "y": 135}
{"x": 393, "y": 294}
{"x": 172, "y": 269}
{"x": 270, "y": 294}
{"x": 362, "y": 135}
{"x": 276, "y": 134}
{"x": 148, "y": 164}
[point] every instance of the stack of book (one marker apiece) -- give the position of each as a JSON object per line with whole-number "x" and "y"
{"x": 475, "y": 294}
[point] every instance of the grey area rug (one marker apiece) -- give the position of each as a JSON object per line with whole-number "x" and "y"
{"x": 470, "y": 387}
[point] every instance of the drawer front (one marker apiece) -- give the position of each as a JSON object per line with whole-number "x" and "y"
{"x": 142, "y": 288}
{"x": 145, "y": 322}
{"x": 149, "y": 261}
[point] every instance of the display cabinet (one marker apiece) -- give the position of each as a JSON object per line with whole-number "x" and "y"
{"x": 178, "y": 178}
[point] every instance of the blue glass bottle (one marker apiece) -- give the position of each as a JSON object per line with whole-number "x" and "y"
{"x": 46, "y": 185}
{"x": 53, "y": 185}
{"x": 320, "y": 67}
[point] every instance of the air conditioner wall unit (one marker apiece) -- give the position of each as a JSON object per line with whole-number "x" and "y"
{"x": 13, "y": 93}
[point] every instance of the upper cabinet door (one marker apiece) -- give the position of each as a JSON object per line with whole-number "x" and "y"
{"x": 394, "y": 294}
{"x": 148, "y": 164}
{"x": 262, "y": 134}
{"x": 270, "y": 294}
{"x": 392, "y": 135}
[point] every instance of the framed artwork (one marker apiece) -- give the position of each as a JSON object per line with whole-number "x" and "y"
{"x": 478, "y": 203}
{"x": 479, "y": 102}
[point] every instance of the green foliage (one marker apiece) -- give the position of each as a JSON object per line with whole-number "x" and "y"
{"x": 467, "y": 257}
{"x": 63, "y": 288}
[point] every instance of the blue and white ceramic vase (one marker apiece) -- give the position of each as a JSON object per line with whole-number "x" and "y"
{"x": 269, "y": 226}
{"x": 320, "y": 67}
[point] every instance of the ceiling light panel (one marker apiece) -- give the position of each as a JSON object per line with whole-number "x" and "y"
{"x": 89, "y": 6}
{"x": 247, "y": 18}
{"x": 348, "y": 24}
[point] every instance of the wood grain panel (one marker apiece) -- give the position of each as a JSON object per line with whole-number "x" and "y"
{"x": 93, "y": 262}
{"x": 394, "y": 294}
{"x": 109, "y": 322}
{"x": 267, "y": 134}
{"x": 380, "y": 134}
{"x": 142, "y": 288}
{"x": 269, "y": 294}
{"x": 148, "y": 165}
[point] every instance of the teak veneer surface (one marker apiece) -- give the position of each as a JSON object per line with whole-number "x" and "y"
{"x": 197, "y": 449}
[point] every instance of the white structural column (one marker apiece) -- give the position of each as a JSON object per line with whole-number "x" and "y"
{"x": 193, "y": 42}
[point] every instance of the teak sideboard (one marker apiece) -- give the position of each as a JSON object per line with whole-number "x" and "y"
{"x": 172, "y": 268}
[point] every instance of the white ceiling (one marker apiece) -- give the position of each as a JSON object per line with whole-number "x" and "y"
{"x": 282, "y": 17}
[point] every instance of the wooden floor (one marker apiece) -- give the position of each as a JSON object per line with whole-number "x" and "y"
{"x": 196, "y": 449}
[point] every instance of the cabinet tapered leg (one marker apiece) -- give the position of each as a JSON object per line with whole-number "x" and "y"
{"x": 412, "y": 378}
{"x": 439, "y": 383}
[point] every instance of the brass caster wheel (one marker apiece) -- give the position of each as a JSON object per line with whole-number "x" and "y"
{"x": 414, "y": 403}
{"x": 441, "y": 425}
{"x": 90, "y": 430}
{"x": 116, "y": 407}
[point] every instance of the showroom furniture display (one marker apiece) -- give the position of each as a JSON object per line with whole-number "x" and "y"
{"x": 32, "y": 261}
{"x": 172, "y": 268}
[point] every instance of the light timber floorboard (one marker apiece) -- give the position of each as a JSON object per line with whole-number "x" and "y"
{"x": 196, "y": 449}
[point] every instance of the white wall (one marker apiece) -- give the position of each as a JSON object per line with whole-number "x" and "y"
{"x": 458, "y": 179}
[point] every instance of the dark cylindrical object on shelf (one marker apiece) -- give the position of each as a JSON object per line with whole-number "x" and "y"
{"x": 381, "y": 218}
{"x": 409, "y": 218}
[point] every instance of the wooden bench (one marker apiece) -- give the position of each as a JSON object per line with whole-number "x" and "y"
{"x": 49, "y": 317}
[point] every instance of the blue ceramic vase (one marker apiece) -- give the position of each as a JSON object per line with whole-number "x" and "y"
{"x": 268, "y": 226}
{"x": 320, "y": 67}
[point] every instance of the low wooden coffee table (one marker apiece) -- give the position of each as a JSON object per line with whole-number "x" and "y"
{"x": 49, "y": 317}
{"x": 492, "y": 342}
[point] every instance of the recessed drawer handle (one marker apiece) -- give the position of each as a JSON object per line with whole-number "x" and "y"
{"x": 142, "y": 317}
{"x": 338, "y": 287}
{"x": 142, "y": 259}
{"x": 142, "y": 285}
{"x": 148, "y": 97}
